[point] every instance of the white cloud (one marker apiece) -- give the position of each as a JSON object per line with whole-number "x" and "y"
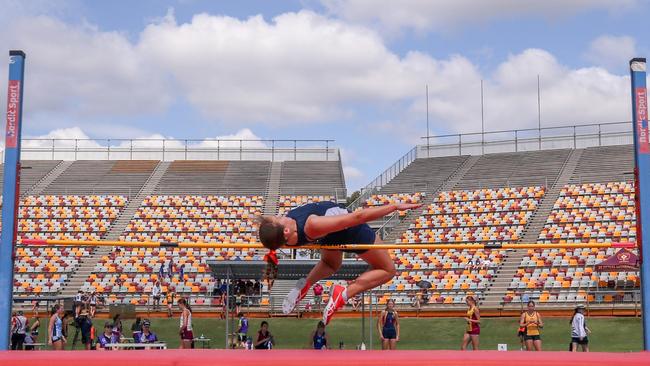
{"x": 76, "y": 136}
{"x": 354, "y": 177}
{"x": 297, "y": 68}
{"x": 352, "y": 173}
{"x": 64, "y": 137}
{"x": 247, "y": 137}
{"x": 568, "y": 96}
{"x": 391, "y": 15}
{"x": 300, "y": 67}
{"x": 612, "y": 52}
{"x": 81, "y": 71}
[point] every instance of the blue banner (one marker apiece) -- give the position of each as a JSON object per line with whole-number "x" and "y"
{"x": 642, "y": 180}
{"x": 10, "y": 191}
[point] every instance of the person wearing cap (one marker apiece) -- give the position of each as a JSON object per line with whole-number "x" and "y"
{"x": 579, "y": 330}
{"x": 146, "y": 336}
{"x": 107, "y": 337}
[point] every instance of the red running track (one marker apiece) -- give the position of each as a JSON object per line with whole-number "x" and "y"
{"x": 317, "y": 358}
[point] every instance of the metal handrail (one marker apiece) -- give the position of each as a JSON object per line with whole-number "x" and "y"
{"x": 571, "y": 134}
{"x": 381, "y": 180}
{"x": 533, "y": 129}
{"x": 178, "y": 149}
{"x": 384, "y": 229}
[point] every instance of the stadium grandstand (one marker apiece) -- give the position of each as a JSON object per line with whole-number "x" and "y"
{"x": 564, "y": 195}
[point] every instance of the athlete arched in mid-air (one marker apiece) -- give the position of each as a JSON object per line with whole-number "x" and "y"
{"x": 328, "y": 223}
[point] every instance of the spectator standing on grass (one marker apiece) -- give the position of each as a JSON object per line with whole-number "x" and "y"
{"x": 34, "y": 329}
{"x": 388, "y": 326}
{"x": 187, "y": 336}
{"x": 473, "y": 329}
{"x": 318, "y": 295}
{"x": 242, "y": 330}
{"x": 532, "y": 321}
{"x": 56, "y": 339}
{"x": 18, "y": 331}
{"x": 31, "y": 336}
{"x": 579, "y": 330}
{"x": 85, "y": 325}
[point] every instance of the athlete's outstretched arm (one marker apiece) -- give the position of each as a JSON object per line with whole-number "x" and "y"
{"x": 319, "y": 226}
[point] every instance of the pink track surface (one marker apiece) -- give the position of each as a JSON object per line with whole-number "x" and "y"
{"x": 317, "y": 358}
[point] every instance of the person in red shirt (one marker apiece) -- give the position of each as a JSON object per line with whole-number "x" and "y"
{"x": 264, "y": 337}
{"x": 318, "y": 295}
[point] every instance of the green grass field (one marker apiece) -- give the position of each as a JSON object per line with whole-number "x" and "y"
{"x": 609, "y": 334}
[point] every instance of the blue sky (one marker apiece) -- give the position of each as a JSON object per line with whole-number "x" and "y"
{"x": 354, "y": 71}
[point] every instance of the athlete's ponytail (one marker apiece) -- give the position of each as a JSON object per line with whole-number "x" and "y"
{"x": 271, "y": 272}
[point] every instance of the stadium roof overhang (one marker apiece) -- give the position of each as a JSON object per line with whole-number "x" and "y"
{"x": 287, "y": 269}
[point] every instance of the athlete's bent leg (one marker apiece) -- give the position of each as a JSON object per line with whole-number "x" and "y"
{"x": 382, "y": 270}
{"x": 330, "y": 261}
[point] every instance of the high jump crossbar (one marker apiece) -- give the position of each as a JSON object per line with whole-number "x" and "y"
{"x": 214, "y": 245}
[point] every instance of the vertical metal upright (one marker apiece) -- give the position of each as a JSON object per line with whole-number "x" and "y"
{"x": 642, "y": 180}
{"x": 10, "y": 190}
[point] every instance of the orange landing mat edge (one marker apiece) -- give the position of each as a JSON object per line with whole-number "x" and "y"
{"x": 318, "y": 358}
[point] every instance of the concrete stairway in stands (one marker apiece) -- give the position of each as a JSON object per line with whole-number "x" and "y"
{"x": 497, "y": 287}
{"x": 538, "y": 220}
{"x": 86, "y": 267}
{"x": 410, "y": 217}
{"x": 118, "y": 227}
{"x": 273, "y": 189}
{"x": 499, "y": 284}
{"x": 38, "y": 188}
{"x": 87, "y": 264}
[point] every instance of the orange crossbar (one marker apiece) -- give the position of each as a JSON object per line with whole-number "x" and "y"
{"x": 319, "y": 358}
{"x": 212, "y": 245}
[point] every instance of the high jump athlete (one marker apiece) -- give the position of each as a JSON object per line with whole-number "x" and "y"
{"x": 328, "y": 223}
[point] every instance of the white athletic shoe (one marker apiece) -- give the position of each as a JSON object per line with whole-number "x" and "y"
{"x": 294, "y": 297}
